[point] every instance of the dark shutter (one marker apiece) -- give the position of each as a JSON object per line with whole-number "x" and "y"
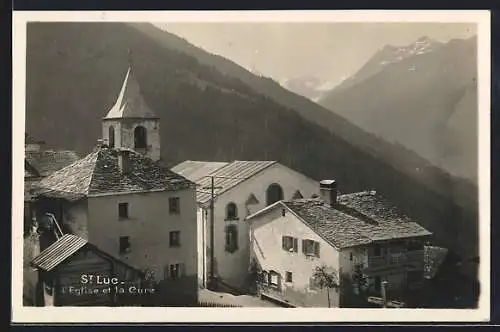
{"x": 304, "y": 244}
{"x": 283, "y": 242}
{"x": 295, "y": 244}
{"x": 316, "y": 249}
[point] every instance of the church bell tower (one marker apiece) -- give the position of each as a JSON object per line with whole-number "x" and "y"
{"x": 130, "y": 123}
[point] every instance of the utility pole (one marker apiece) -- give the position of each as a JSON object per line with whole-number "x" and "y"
{"x": 211, "y": 276}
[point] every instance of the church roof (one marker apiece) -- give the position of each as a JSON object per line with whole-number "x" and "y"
{"x": 130, "y": 103}
{"x": 98, "y": 173}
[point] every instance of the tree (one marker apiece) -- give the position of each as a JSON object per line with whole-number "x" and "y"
{"x": 326, "y": 278}
{"x": 360, "y": 282}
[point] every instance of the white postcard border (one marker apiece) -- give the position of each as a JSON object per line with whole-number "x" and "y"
{"x": 22, "y": 314}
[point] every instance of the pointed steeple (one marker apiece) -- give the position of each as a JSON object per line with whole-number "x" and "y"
{"x": 130, "y": 103}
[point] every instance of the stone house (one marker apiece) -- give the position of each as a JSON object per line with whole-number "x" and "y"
{"x": 352, "y": 234}
{"x": 240, "y": 189}
{"x": 122, "y": 200}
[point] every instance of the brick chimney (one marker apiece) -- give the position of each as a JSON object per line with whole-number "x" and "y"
{"x": 328, "y": 191}
{"x": 124, "y": 163}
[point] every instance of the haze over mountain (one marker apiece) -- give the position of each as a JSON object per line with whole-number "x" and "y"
{"x": 213, "y": 109}
{"x": 423, "y": 96}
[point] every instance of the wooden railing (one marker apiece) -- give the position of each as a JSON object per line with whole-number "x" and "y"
{"x": 396, "y": 260}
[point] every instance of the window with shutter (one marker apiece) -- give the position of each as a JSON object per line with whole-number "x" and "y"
{"x": 288, "y": 243}
{"x": 316, "y": 249}
{"x": 231, "y": 238}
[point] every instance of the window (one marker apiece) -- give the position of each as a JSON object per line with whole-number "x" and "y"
{"x": 274, "y": 279}
{"x": 265, "y": 278}
{"x": 350, "y": 255}
{"x": 415, "y": 245}
{"x": 140, "y": 137}
{"x": 274, "y": 193}
{"x": 124, "y": 244}
{"x": 231, "y": 212}
{"x": 174, "y": 205}
{"x": 175, "y": 239}
{"x": 288, "y": 277}
{"x": 252, "y": 200}
{"x": 289, "y": 244}
{"x": 310, "y": 248}
{"x": 377, "y": 250}
{"x": 231, "y": 238}
{"x": 174, "y": 271}
{"x": 123, "y": 210}
{"x": 297, "y": 195}
{"x": 111, "y": 137}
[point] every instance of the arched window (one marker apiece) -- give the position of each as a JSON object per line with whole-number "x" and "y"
{"x": 231, "y": 212}
{"x": 140, "y": 137}
{"x": 297, "y": 195}
{"x": 274, "y": 193}
{"x": 111, "y": 137}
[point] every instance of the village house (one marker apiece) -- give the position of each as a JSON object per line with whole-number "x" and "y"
{"x": 73, "y": 272}
{"x": 361, "y": 238}
{"x": 40, "y": 162}
{"x": 240, "y": 189}
{"x": 123, "y": 201}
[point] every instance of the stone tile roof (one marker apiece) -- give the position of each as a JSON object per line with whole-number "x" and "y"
{"x": 46, "y": 162}
{"x": 357, "y": 219}
{"x": 28, "y": 139}
{"x": 99, "y": 173}
{"x": 130, "y": 103}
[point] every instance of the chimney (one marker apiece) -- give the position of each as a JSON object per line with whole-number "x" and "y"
{"x": 98, "y": 146}
{"x": 328, "y": 191}
{"x": 124, "y": 161}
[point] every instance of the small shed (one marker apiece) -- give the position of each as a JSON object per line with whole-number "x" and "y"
{"x": 73, "y": 272}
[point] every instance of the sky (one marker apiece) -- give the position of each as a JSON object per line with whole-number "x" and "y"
{"x": 328, "y": 51}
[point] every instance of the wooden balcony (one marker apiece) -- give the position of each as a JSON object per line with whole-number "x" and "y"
{"x": 395, "y": 261}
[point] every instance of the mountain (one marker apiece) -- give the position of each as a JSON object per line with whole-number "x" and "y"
{"x": 310, "y": 87}
{"x": 213, "y": 109}
{"x": 422, "y": 96}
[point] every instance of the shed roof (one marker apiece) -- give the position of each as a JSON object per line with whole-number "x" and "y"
{"x": 58, "y": 252}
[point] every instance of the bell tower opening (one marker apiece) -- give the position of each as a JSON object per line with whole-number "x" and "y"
{"x": 140, "y": 138}
{"x": 111, "y": 137}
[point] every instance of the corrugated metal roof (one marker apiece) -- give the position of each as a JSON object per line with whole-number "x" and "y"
{"x": 229, "y": 176}
{"x": 195, "y": 170}
{"x": 58, "y": 252}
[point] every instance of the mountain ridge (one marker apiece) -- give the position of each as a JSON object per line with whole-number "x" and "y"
{"x": 419, "y": 93}
{"x": 75, "y": 73}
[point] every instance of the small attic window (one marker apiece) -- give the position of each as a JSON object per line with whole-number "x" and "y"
{"x": 283, "y": 212}
{"x": 297, "y": 195}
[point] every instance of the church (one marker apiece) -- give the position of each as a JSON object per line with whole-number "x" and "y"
{"x": 122, "y": 200}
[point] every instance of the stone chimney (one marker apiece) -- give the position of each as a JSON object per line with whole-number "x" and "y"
{"x": 328, "y": 191}
{"x": 124, "y": 163}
